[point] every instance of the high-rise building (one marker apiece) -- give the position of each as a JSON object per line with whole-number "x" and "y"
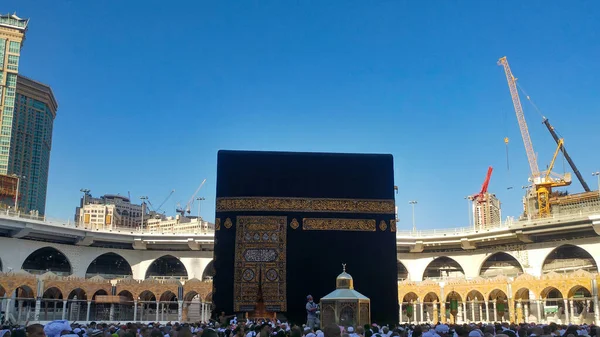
{"x": 486, "y": 211}
{"x": 27, "y": 112}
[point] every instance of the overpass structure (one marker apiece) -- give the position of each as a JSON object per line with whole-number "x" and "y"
{"x": 538, "y": 269}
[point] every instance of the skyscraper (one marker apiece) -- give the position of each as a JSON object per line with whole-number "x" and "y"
{"x": 27, "y": 112}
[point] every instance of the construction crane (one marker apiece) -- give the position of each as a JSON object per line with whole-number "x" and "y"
{"x": 480, "y": 197}
{"x": 164, "y": 201}
{"x": 543, "y": 184}
{"x": 190, "y": 203}
{"x": 566, "y": 154}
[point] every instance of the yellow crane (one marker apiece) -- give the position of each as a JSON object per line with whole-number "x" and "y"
{"x": 543, "y": 184}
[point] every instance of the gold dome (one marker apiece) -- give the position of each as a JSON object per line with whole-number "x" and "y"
{"x": 344, "y": 280}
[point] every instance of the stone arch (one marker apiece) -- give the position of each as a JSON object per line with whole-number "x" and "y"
{"x": 167, "y": 266}
{"x": 496, "y": 294}
{"x": 209, "y": 271}
{"x": 443, "y": 267}
{"x": 475, "y": 295}
{"x": 126, "y": 294}
{"x": 500, "y": 263}
{"x": 402, "y": 272}
{"x": 147, "y": 295}
{"x": 80, "y": 293}
{"x": 2, "y": 291}
{"x": 567, "y": 258}
{"x": 551, "y": 293}
{"x": 100, "y": 292}
{"x": 579, "y": 289}
{"x": 522, "y": 294}
{"x": 168, "y": 296}
{"x": 410, "y": 297}
{"x": 190, "y": 295}
{"x": 24, "y": 291}
{"x": 453, "y": 295}
{"x": 109, "y": 265}
{"x": 431, "y": 297}
{"x": 47, "y": 259}
{"x": 52, "y": 293}
{"x": 208, "y": 297}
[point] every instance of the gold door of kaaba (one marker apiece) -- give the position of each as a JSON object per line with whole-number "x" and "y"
{"x": 260, "y": 263}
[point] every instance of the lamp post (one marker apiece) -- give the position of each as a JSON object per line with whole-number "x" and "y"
{"x": 200, "y": 199}
{"x": 413, "y": 203}
{"x": 597, "y": 174}
{"x": 471, "y": 219}
{"x": 19, "y": 177}
{"x": 144, "y": 198}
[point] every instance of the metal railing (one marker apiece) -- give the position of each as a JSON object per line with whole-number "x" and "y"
{"x": 586, "y": 209}
{"x": 9, "y": 214}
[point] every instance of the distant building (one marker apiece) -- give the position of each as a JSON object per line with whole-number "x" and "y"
{"x": 27, "y": 112}
{"x": 486, "y": 211}
{"x": 178, "y": 224}
{"x": 109, "y": 212}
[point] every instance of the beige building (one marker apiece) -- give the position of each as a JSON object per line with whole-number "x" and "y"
{"x": 109, "y": 212}
{"x": 27, "y": 112}
{"x": 178, "y": 224}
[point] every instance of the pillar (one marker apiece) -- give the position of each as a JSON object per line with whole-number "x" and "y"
{"x": 87, "y": 312}
{"x": 135, "y": 305}
{"x": 538, "y": 304}
{"x": 472, "y": 311}
{"x": 435, "y": 317}
{"x": 38, "y": 307}
{"x": 464, "y": 312}
{"x": 487, "y": 311}
{"x": 162, "y": 311}
{"x": 64, "y": 310}
{"x": 54, "y": 311}
{"x": 511, "y": 310}
{"x": 157, "y": 309}
{"x": 572, "y": 309}
{"x": 20, "y": 309}
{"x": 526, "y": 312}
{"x": 480, "y": 306}
{"x": 567, "y": 320}
{"x": 596, "y": 311}
{"x": 202, "y": 311}
{"x": 495, "y": 311}
{"x": 111, "y": 312}
{"x": 519, "y": 312}
{"x": 400, "y": 313}
{"x": 8, "y": 307}
{"x": 180, "y": 311}
{"x": 443, "y": 312}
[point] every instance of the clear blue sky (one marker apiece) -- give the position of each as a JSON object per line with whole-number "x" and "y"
{"x": 149, "y": 91}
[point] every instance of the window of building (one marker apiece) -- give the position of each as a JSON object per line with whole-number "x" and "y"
{"x": 2, "y": 49}
{"x": 14, "y": 47}
{"x": 13, "y": 62}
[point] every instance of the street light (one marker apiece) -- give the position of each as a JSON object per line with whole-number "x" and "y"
{"x": 19, "y": 177}
{"x": 471, "y": 220}
{"x": 413, "y": 203}
{"x": 144, "y": 198}
{"x": 597, "y": 174}
{"x": 200, "y": 199}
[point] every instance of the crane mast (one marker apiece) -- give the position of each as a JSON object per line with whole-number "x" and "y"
{"x": 512, "y": 86}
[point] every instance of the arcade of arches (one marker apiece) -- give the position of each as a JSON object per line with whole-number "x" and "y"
{"x": 562, "y": 298}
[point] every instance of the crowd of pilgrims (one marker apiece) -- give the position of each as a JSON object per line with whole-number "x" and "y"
{"x": 266, "y": 328}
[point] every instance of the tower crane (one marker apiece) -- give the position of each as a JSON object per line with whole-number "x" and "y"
{"x": 543, "y": 184}
{"x": 566, "y": 154}
{"x": 164, "y": 201}
{"x": 480, "y": 197}
{"x": 190, "y": 203}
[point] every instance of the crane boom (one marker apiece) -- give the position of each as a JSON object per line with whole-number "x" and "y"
{"x": 566, "y": 154}
{"x": 512, "y": 86}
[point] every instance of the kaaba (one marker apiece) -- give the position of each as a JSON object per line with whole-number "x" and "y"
{"x": 286, "y": 222}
